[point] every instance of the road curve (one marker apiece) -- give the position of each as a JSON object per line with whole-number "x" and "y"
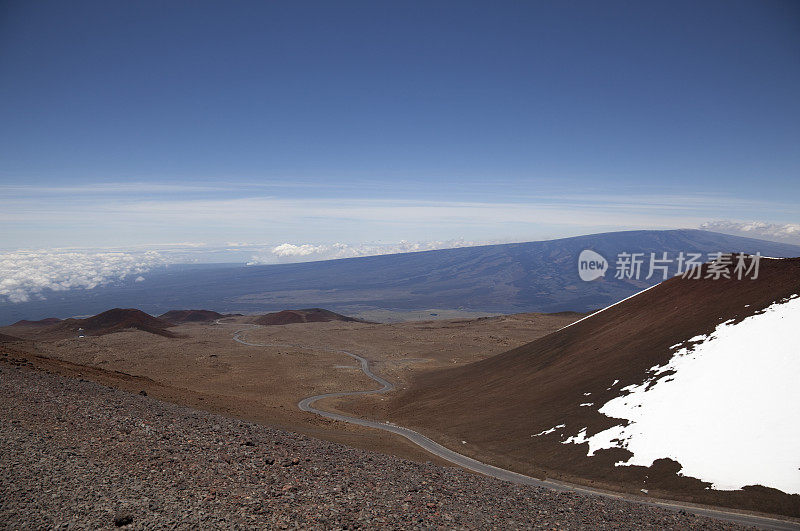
{"x": 482, "y": 468}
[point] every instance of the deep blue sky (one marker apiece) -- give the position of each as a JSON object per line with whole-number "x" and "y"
{"x": 149, "y": 122}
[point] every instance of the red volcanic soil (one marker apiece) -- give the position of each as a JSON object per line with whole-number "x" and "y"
{"x": 310, "y": 315}
{"x": 497, "y": 404}
{"x": 41, "y": 322}
{"x": 190, "y": 316}
{"x": 112, "y": 321}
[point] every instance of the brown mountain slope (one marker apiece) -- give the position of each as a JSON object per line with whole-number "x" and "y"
{"x": 190, "y": 316}
{"x": 41, "y": 322}
{"x": 112, "y": 321}
{"x": 498, "y": 404}
{"x": 13, "y": 346}
{"x": 5, "y": 338}
{"x": 310, "y": 315}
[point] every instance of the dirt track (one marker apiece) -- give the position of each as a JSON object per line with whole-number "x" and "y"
{"x": 435, "y": 449}
{"x": 202, "y": 368}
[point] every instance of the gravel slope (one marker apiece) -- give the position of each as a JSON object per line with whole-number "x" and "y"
{"x": 76, "y": 454}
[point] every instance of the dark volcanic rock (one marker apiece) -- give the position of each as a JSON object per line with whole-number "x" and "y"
{"x": 123, "y": 518}
{"x": 78, "y": 454}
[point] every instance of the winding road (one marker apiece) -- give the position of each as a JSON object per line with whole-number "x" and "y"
{"x": 307, "y": 404}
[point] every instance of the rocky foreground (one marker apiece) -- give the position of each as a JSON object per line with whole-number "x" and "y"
{"x": 77, "y": 454}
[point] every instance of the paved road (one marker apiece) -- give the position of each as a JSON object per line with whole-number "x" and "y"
{"x": 482, "y": 468}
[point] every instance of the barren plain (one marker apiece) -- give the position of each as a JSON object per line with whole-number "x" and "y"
{"x": 203, "y": 367}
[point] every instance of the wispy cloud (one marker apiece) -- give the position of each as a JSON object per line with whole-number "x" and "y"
{"x": 31, "y": 274}
{"x": 141, "y": 188}
{"x": 307, "y": 252}
{"x": 120, "y": 214}
{"x": 784, "y": 232}
{"x": 106, "y": 188}
{"x": 287, "y": 211}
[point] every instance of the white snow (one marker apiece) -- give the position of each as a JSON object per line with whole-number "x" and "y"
{"x": 580, "y": 438}
{"x": 551, "y": 430}
{"x": 729, "y": 414}
{"x": 587, "y": 404}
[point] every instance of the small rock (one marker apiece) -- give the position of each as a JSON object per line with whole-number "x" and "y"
{"x": 156, "y": 504}
{"x": 123, "y": 518}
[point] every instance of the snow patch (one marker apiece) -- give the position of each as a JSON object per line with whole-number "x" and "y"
{"x": 727, "y": 414}
{"x": 551, "y": 430}
{"x": 580, "y": 438}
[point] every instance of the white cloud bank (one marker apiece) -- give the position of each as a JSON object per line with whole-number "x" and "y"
{"x": 30, "y": 274}
{"x": 307, "y": 252}
{"x": 783, "y": 232}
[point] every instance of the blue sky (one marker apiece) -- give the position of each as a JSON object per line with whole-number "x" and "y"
{"x": 140, "y": 124}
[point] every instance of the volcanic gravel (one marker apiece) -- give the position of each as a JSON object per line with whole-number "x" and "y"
{"x": 76, "y": 454}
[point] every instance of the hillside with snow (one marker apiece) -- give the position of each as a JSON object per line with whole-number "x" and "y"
{"x": 687, "y": 390}
{"x": 722, "y": 397}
